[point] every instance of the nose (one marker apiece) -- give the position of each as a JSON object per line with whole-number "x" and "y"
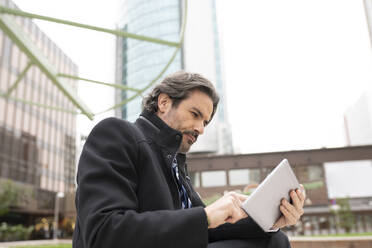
{"x": 199, "y": 127}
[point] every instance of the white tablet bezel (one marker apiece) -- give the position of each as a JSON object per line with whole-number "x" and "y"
{"x": 263, "y": 204}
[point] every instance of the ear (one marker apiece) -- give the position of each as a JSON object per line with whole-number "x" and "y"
{"x": 164, "y": 103}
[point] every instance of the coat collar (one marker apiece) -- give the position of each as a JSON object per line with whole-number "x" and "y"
{"x": 162, "y": 134}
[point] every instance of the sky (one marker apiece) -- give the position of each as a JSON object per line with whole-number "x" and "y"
{"x": 292, "y": 67}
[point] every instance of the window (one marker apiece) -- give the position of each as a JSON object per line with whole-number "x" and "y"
{"x": 315, "y": 172}
{"x": 213, "y": 178}
{"x": 244, "y": 176}
{"x": 195, "y": 179}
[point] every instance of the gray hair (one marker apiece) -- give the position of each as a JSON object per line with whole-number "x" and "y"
{"x": 178, "y": 87}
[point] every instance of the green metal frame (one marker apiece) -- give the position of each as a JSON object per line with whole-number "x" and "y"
{"x": 25, "y": 44}
{"x": 17, "y": 35}
{"x": 4, "y": 10}
{"x": 18, "y": 80}
{"x": 40, "y": 105}
{"x": 117, "y": 86}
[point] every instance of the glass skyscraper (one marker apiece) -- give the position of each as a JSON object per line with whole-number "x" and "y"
{"x": 138, "y": 62}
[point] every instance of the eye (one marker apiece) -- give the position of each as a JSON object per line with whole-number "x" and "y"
{"x": 194, "y": 114}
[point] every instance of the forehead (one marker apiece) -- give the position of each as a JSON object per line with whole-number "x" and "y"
{"x": 201, "y": 101}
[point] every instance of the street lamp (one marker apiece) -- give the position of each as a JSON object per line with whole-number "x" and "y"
{"x": 56, "y": 214}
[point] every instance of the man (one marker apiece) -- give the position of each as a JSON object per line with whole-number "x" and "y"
{"x": 133, "y": 188}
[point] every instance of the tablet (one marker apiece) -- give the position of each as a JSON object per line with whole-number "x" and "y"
{"x": 263, "y": 204}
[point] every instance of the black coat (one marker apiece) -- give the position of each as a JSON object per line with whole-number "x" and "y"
{"x": 127, "y": 195}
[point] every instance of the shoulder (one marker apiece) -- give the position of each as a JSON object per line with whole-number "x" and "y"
{"x": 115, "y": 128}
{"x": 112, "y": 122}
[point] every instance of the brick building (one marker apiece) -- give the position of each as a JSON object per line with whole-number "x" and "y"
{"x": 213, "y": 175}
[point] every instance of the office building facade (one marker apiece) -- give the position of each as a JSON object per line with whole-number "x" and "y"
{"x": 138, "y": 62}
{"x": 37, "y": 145}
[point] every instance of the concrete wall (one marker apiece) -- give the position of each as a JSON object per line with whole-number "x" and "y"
{"x": 328, "y": 242}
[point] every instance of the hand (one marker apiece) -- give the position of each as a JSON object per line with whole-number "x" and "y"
{"x": 291, "y": 212}
{"x": 226, "y": 209}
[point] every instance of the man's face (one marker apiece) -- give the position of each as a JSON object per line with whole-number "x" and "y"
{"x": 190, "y": 117}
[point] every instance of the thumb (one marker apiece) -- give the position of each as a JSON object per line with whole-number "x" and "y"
{"x": 279, "y": 223}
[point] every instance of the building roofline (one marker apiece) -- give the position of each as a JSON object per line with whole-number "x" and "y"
{"x": 209, "y": 156}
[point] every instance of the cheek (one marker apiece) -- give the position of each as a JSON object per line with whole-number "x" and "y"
{"x": 180, "y": 122}
{"x": 182, "y": 125}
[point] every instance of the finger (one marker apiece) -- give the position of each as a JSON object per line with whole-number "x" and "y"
{"x": 290, "y": 209}
{"x": 301, "y": 194}
{"x": 236, "y": 202}
{"x": 296, "y": 201}
{"x": 236, "y": 212}
{"x": 242, "y": 197}
{"x": 229, "y": 220}
{"x": 296, "y": 211}
{"x": 279, "y": 223}
{"x": 240, "y": 213}
{"x": 288, "y": 205}
{"x": 289, "y": 218}
{"x": 302, "y": 187}
{"x": 301, "y": 198}
{"x": 234, "y": 216}
{"x": 303, "y": 190}
{"x": 239, "y": 197}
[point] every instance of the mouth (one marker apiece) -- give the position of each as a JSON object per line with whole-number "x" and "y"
{"x": 191, "y": 139}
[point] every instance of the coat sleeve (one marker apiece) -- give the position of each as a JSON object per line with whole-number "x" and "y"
{"x": 107, "y": 205}
{"x": 243, "y": 229}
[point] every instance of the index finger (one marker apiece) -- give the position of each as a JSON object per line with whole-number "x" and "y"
{"x": 238, "y": 213}
{"x": 242, "y": 197}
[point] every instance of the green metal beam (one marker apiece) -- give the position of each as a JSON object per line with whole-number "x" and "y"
{"x": 118, "y": 86}
{"x": 38, "y": 104}
{"x": 18, "y": 80}
{"x": 4, "y": 10}
{"x": 17, "y": 35}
